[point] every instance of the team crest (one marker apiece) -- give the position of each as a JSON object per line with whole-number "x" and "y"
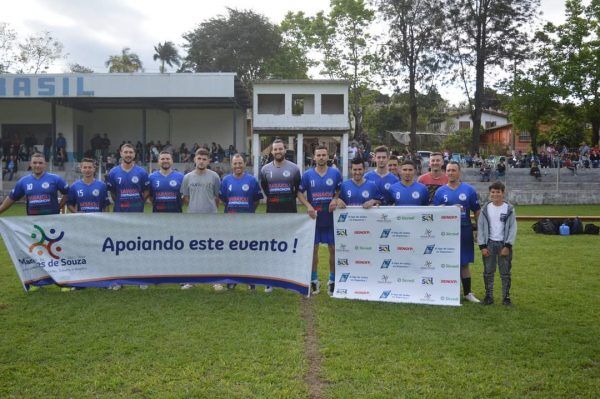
{"x": 45, "y": 185}
{"x": 462, "y": 196}
{"x": 173, "y": 183}
{"x": 245, "y": 187}
{"x": 135, "y": 179}
{"x": 329, "y": 182}
{"x": 416, "y": 195}
{"x": 286, "y": 173}
{"x": 387, "y": 186}
{"x": 96, "y": 192}
{"x": 365, "y": 194}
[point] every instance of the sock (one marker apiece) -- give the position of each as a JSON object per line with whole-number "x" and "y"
{"x": 314, "y": 276}
{"x": 466, "y": 282}
{"x": 331, "y": 276}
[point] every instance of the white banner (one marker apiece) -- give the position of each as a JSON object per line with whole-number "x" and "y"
{"x": 100, "y": 249}
{"x": 398, "y": 254}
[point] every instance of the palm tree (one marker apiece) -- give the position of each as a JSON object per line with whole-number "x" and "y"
{"x": 166, "y": 52}
{"x": 125, "y": 62}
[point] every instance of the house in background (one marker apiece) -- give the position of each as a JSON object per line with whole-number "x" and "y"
{"x": 489, "y": 118}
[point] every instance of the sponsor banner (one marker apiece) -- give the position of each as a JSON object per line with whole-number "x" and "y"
{"x": 398, "y": 254}
{"x": 101, "y": 249}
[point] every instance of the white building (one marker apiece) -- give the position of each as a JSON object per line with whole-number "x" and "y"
{"x": 300, "y": 109}
{"x": 489, "y": 118}
{"x": 180, "y": 108}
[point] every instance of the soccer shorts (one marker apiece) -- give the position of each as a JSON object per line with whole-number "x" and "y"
{"x": 324, "y": 235}
{"x": 467, "y": 245}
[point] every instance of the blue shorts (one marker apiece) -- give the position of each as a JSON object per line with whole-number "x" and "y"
{"x": 467, "y": 249}
{"x": 324, "y": 235}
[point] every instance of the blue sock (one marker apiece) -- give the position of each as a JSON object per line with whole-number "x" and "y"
{"x": 314, "y": 276}
{"x": 331, "y": 276}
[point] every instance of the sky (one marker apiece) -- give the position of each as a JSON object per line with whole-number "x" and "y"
{"x": 91, "y": 31}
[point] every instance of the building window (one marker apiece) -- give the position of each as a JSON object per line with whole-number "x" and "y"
{"x": 463, "y": 125}
{"x": 489, "y": 124}
{"x": 332, "y": 104}
{"x": 303, "y": 104}
{"x": 524, "y": 136}
{"x": 272, "y": 104}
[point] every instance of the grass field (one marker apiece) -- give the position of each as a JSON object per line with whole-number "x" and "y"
{"x": 164, "y": 342}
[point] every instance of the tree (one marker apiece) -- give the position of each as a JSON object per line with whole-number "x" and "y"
{"x": 126, "y": 62}
{"x": 416, "y": 29}
{"x": 8, "y": 38}
{"x": 38, "y": 52}
{"x": 77, "y": 68}
{"x": 575, "y": 58}
{"x": 485, "y": 33}
{"x": 166, "y": 53}
{"x": 349, "y": 50}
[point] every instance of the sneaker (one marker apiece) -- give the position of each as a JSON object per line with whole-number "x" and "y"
{"x": 471, "y": 298}
{"x": 187, "y": 286}
{"x": 251, "y": 287}
{"x": 143, "y": 287}
{"x": 34, "y": 288}
{"x": 330, "y": 287}
{"x": 218, "y": 287}
{"x": 231, "y": 286}
{"x": 507, "y": 302}
{"x": 315, "y": 287}
{"x": 488, "y": 300}
{"x": 67, "y": 289}
{"x": 115, "y": 287}
{"x": 268, "y": 289}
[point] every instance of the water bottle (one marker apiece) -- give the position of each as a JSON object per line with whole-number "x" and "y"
{"x": 564, "y": 230}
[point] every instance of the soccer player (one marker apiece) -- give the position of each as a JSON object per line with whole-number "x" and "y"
{"x": 436, "y": 177}
{"x": 496, "y": 234}
{"x": 128, "y": 186}
{"x": 40, "y": 190}
{"x": 88, "y": 194}
{"x": 200, "y": 189}
{"x": 382, "y": 178}
{"x": 393, "y": 166}
{"x": 280, "y": 181}
{"x": 464, "y": 196}
{"x": 358, "y": 191}
{"x": 322, "y": 185}
{"x": 165, "y": 186}
{"x": 240, "y": 192}
{"x": 407, "y": 191}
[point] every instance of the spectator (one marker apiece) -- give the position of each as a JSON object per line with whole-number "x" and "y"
{"x": 500, "y": 169}
{"x": 535, "y": 171}
{"x": 105, "y": 145}
{"x": 485, "y": 171}
{"x": 61, "y": 144}
{"x": 567, "y": 163}
{"x": 595, "y": 159}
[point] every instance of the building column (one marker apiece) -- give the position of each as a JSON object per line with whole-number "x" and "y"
{"x": 300, "y": 153}
{"x": 255, "y": 153}
{"x": 344, "y": 156}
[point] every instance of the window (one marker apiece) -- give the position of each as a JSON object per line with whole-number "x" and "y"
{"x": 303, "y": 104}
{"x": 462, "y": 125}
{"x": 489, "y": 124}
{"x": 273, "y": 104}
{"x": 524, "y": 136}
{"x": 332, "y": 104}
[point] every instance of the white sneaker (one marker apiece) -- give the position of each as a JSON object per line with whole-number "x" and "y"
{"x": 330, "y": 287}
{"x": 115, "y": 287}
{"x": 143, "y": 287}
{"x": 187, "y": 286}
{"x": 268, "y": 289}
{"x": 471, "y": 298}
{"x": 315, "y": 287}
{"x": 218, "y": 287}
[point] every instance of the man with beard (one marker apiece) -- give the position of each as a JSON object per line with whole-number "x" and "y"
{"x": 88, "y": 194}
{"x": 165, "y": 186}
{"x": 321, "y": 184}
{"x": 358, "y": 191}
{"x": 407, "y": 191}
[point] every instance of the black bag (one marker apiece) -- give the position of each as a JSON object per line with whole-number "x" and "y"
{"x": 545, "y": 226}
{"x": 591, "y": 228}
{"x": 575, "y": 225}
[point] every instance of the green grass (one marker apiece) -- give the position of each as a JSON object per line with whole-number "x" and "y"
{"x": 164, "y": 342}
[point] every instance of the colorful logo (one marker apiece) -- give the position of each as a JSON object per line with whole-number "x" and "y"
{"x": 45, "y": 242}
{"x": 429, "y": 249}
{"x": 385, "y": 233}
{"x": 342, "y": 217}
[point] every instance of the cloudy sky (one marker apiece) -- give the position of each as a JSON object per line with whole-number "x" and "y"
{"x": 93, "y": 30}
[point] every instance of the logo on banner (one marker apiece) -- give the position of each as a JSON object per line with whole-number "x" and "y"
{"x": 405, "y": 280}
{"x": 361, "y": 292}
{"x": 341, "y": 233}
{"x": 362, "y": 262}
{"x": 361, "y": 248}
{"x": 448, "y": 281}
{"x": 384, "y": 217}
{"x": 428, "y": 265}
{"x": 385, "y": 279}
{"x": 405, "y": 218}
{"x": 342, "y": 262}
{"x": 427, "y": 217}
{"x": 385, "y": 294}
{"x": 428, "y": 234}
{"x": 342, "y": 291}
{"x": 449, "y": 217}
{"x": 449, "y": 266}
{"x": 362, "y": 232}
{"x": 449, "y": 298}
{"x": 386, "y": 263}
{"x": 429, "y": 249}
{"x": 45, "y": 242}
{"x": 342, "y": 217}
{"x": 384, "y": 248}
{"x": 405, "y": 249}
{"x": 385, "y": 233}
{"x": 342, "y": 248}
{"x": 450, "y": 234}
{"x": 427, "y": 280}
{"x": 344, "y": 277}
{"x": 426, "y": 298}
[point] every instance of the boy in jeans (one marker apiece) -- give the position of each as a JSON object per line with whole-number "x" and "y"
{"x": 496, "y": 233}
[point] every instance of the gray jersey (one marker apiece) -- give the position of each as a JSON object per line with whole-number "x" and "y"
{"x": 280, "y": 185}
{"x": 202, "y": 190}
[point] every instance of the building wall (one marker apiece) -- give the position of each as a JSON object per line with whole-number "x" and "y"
{"x": 485, "y": 117}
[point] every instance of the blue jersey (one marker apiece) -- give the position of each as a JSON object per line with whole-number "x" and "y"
{"x": 40, "y": 193}
{"x": 354, "y": 195}
{"x": 91, "y": 197}
{"x": 383, "y": 183}
{"x": 128, "y": 188}
{"x": 320, "y": 190}
{"x": 166, "y": 191}
{"x": 464, "y": 195}
{"x": 415, "y": 194}
{"x": 239, "y": 195}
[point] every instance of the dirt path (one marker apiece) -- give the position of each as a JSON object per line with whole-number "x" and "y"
{"x": 311, "y": 350}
